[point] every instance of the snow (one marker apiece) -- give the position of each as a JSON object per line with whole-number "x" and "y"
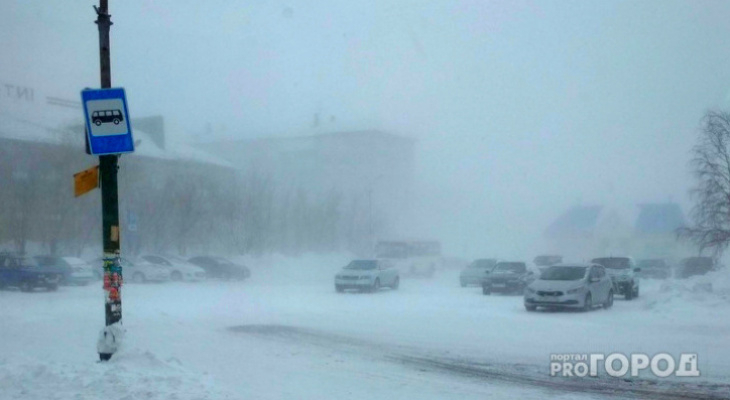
{"x": 285, "y": 333}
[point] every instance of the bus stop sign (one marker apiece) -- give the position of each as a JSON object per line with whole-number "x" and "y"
{"x": 108, "y": 130}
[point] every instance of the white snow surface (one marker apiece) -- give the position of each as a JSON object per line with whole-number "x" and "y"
{"x": 286, "y": 334}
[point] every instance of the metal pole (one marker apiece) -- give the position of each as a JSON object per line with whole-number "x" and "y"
{"x": 109, "y": 204}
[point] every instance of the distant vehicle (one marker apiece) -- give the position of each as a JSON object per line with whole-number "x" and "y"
{"x": 75, "y": 270}
{"x": 222, "y": 268}
{"x": 693, "y": 266}
{"x": 106, "y": 116}
{"x": 139, "y": 271}
{"x": 26, "y": 274}
{"x": 544, "y": 261}
{"x": 180, "y": 269}
{"x": 656, "y": 268}
{"x": 412, "y": 258}
{"x": 367, "y": 275}
{"x": 624, "y": 274}
{"x": 476, "y": 272}
{"x": 570, "y": 286}
{"x": 507, "y": 277}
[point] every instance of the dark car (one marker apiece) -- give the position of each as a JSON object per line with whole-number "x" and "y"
{"x": 222, "y": 268}
{"x": 25, "y": 273}
{"x": 654, "y": 268}
{"x": 508, "y": 277}
{"x": 624, "y": 273}
{"x": 693, "y": 266}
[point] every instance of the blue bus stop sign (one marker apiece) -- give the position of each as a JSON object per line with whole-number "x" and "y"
{"x": 107, "y": 121}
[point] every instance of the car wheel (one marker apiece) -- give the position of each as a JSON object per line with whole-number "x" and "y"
{"x": 376, "y": 285}
{"x": 52, "y": 288}
{"x": 530, "y": 308}
{"x": 138, "y": 277}
{"x": 339, "y": 289}
{"x": 97, "y": 122}
{"x": 176, "y": 276}
{"x": 26, "y": 286}
{"x": 463, "y": 284}
{"x": 588, "y": 303}
{"x": 609, "y": 300}
{"x": 636, "y": 292}
{"x": 629, "y": 294}
{"x": 116, "y": 121}
{"x": 486, "y": 290}
{"x": 396, "y": 283}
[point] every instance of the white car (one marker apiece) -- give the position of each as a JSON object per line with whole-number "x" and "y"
{"x": 138, "y": 271}
{"x": 476, "y": 272}
{"x": 180, "y": 270}
{"x": 367, "y": 275}
{"x": 582, "y": 286}
{"x": 81, "y": 271}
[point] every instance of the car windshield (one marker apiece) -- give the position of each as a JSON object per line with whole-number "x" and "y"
{"x": 483, "y": 264}
{"x": 362, "y": 265}
{"x": 613, "y": 262}
{"x": 563, "y": 273}
{"x": 516, "y": 268}
{"x": 652, "y": 264}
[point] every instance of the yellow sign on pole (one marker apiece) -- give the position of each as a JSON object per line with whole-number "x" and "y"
{"x": 86, "y": 181}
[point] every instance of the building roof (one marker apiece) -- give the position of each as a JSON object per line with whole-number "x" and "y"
{"x": 577, "y": 220}
{"x": 14, "y": 128}
{"x": 659, "y": 218}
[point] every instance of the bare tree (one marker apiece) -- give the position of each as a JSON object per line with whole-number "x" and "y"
{"x": 710, "y": 215}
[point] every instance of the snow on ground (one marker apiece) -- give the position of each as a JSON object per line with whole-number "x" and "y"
{"x": 286, "y": 334}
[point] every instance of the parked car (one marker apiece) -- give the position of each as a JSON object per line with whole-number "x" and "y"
{"x": 693, "y": 266}
{"x": 138, "y": 271}
{"x": 624, "y": 274}
{"x": 180, "y": 269}
{"x": 476, "y": 272}
{"x": 544, "y": 261}
{"x": 656, "y": 268}
{"x": 367, "y": 275}
{"x": 75, "y": 270}
{"x": 26, "y": 274}
{"x": 507, "y": 277}
{"x": 570, "y": 286}
{"x": 222, "y": 268}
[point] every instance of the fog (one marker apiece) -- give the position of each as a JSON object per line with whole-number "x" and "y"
{"x": 519, "y": 110}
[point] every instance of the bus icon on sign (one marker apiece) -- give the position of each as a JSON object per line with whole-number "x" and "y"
{"x": 107, "y": 116}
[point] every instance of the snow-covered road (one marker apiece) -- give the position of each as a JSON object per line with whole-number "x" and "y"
{"x": 286, "y": 334}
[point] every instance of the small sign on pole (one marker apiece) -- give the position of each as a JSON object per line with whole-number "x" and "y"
{"x": 107, "y": 121}
{"x": 86, "y": 181}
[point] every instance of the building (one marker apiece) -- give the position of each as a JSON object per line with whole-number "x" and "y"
{"x": 643, "y": 231}
{"x": 373, "y": 166}
{"x": 42, "y": 146}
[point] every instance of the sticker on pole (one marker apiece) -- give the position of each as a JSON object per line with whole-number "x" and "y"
{"x": 107, "y": 121}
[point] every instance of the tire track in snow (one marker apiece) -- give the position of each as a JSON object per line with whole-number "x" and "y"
{"x": 519, "y": 374}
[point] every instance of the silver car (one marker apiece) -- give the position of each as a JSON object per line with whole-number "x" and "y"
{"x": 570, "y": 286}
{"x": 367, "y": 275}
{"x": 475, "y": 272}
{"x": 180, "y": 270}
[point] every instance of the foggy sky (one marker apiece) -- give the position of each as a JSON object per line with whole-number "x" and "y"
{"x": 521, "y": 109}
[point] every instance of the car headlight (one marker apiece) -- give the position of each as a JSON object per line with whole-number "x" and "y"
{"x": 573, "y": 291}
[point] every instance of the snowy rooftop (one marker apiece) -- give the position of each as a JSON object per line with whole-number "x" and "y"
{"x": 25, "y": 130}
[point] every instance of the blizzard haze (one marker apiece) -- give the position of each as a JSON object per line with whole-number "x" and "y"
{"x": 520, "y": 109}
